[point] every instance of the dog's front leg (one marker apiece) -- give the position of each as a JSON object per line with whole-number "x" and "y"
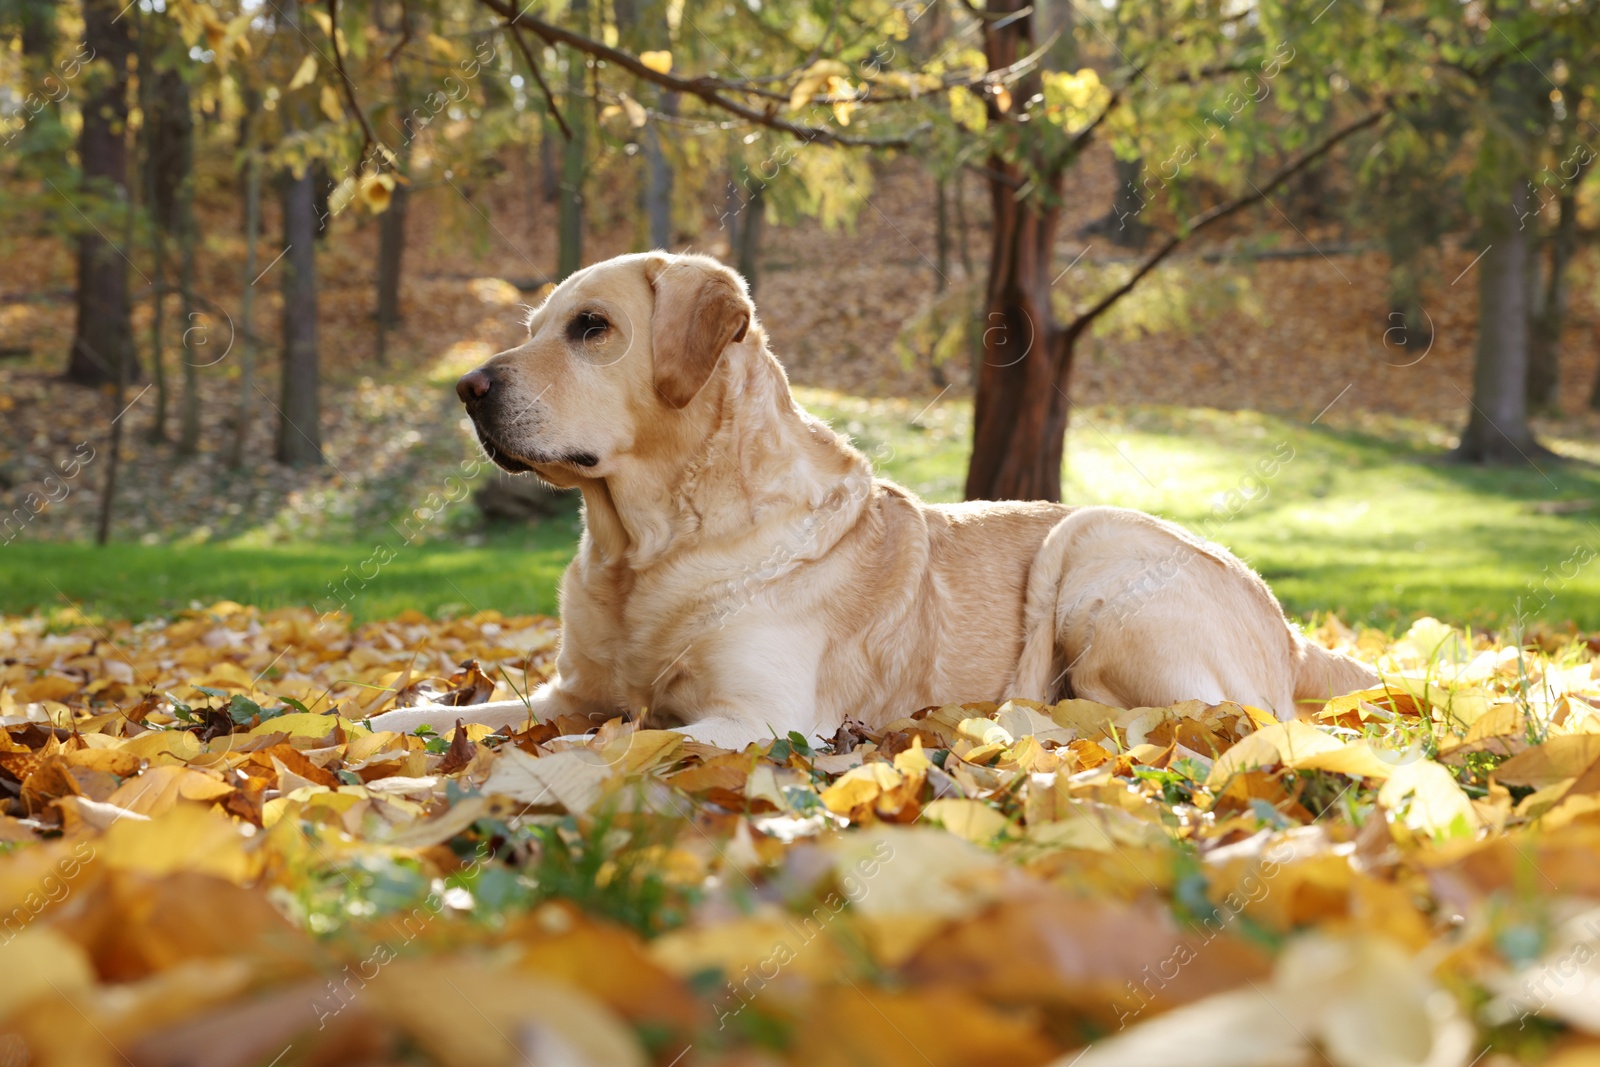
{"x": 546, "y": 702}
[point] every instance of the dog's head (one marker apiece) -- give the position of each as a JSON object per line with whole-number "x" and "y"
{"x": 614, "y": 350}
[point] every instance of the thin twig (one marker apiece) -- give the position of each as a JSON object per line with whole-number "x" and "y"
{"x": 368, "y": 140}
{"x": 533, "y": 68}
{"x": 1218, "y": 213}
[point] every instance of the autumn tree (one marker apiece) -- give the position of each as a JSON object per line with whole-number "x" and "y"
{"x": 1025, "y": 124}
{"x": 1524, "y": 128}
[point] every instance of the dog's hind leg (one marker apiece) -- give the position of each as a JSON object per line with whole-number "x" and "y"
{"x": 1138, "y": 612}
{"x": 1040, "y": 673}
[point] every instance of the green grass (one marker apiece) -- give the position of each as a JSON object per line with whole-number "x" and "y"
{"x": 1367, "y": 524}
{"x": 512, "y": 571}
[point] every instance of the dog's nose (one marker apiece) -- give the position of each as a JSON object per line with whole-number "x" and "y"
{"x": 474, "y": 385}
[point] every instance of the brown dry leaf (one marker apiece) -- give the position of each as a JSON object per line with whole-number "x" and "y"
{"x": 609, "y": 963}
{"x": 460, "y": 752}
{"x": 942, "y": 1027}
{"x": 1108, "y": 961}
{"x": 1559, "y": 757}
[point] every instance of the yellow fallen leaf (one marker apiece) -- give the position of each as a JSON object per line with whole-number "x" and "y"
{"x": 1281, "y": 743}
{"x": 914, "y": 880}
{"x": 971, "y": 820}
{"x": 42, "y": 962}
{"x": 912, "y": 760}
{"x": 1430, "y": 798}
{"x": 303, "y": 724}
{"x": 799, "y": 943}
{"x": 50, "y": 687}
{"x": 1354, "y": 1002}
{"x": 643, "y": 749}
{"x": 859, "y": 787}
{"x": 190, "y": 837}
{"x": 1357, "y": 759}
{"x": 553, "y": 1023}
{"x": 178, "y": 745}
{"x": 159, "y": 788}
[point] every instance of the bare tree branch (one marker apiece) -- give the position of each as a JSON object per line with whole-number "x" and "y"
{"x": 538, "y": 77}
{"x": 708, "y": 89}
{"x": 368, "y": 140}
{"x": 1217, "y": 214}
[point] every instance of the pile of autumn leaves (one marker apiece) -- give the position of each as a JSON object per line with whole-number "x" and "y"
{"x": 210, "y": 860}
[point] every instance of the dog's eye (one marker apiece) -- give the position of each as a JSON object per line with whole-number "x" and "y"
{"x": 587, "y": 326}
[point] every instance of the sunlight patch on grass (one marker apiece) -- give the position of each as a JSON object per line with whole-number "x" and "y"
{"x": 1367, "y": 523}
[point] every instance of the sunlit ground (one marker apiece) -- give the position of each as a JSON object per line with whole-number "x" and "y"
{"x": 1364, "y": 520}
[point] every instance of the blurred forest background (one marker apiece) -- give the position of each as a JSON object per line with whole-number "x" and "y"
{"x": 1318, "y": 280}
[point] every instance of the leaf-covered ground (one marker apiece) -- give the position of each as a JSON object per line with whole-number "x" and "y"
{"x": 210, "y": 860}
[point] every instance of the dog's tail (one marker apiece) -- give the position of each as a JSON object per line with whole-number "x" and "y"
{"x": 1321, "y": 674}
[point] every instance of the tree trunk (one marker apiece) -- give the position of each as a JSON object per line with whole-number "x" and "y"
{"x": 1020, "y": 407}
{"x": 392, "y": 228}
{"x": 1407, "y": 331}
{"x": 299, "y": 430}
{"x": 941, "y": 234}
{"x": 125, "y": 368}
{"x": 108, "y": 488}
{"x": 391, "y": 255}
{"x": 658, "y": 196}
{"x": 1550, "y": 313}
{"x": 549, "y": 173}
{"x": 102, "y": 341}
{"x": 569, "y": 256}
{"x": 749, "y": 260}
{"x": 193, "y": 356}
{"x": 158, "y": 365}
{"x": 322, "y": 186}
{"x": 1497, "y": 429}
{"x": 960, "y": 194}
{"x": 252, "y": 235}
{"x": 153, "y": 169}
{"x": 38, "y": 19}
{"x": 530, "y": 210}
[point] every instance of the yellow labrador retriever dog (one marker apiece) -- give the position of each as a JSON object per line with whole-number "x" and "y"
{"x": 742, "y": 571}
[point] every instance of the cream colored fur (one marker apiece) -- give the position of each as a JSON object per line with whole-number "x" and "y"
{"x": 742, "y": 572}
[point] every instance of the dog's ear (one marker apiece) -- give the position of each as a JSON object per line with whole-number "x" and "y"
{"x": 701, "y": 308}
